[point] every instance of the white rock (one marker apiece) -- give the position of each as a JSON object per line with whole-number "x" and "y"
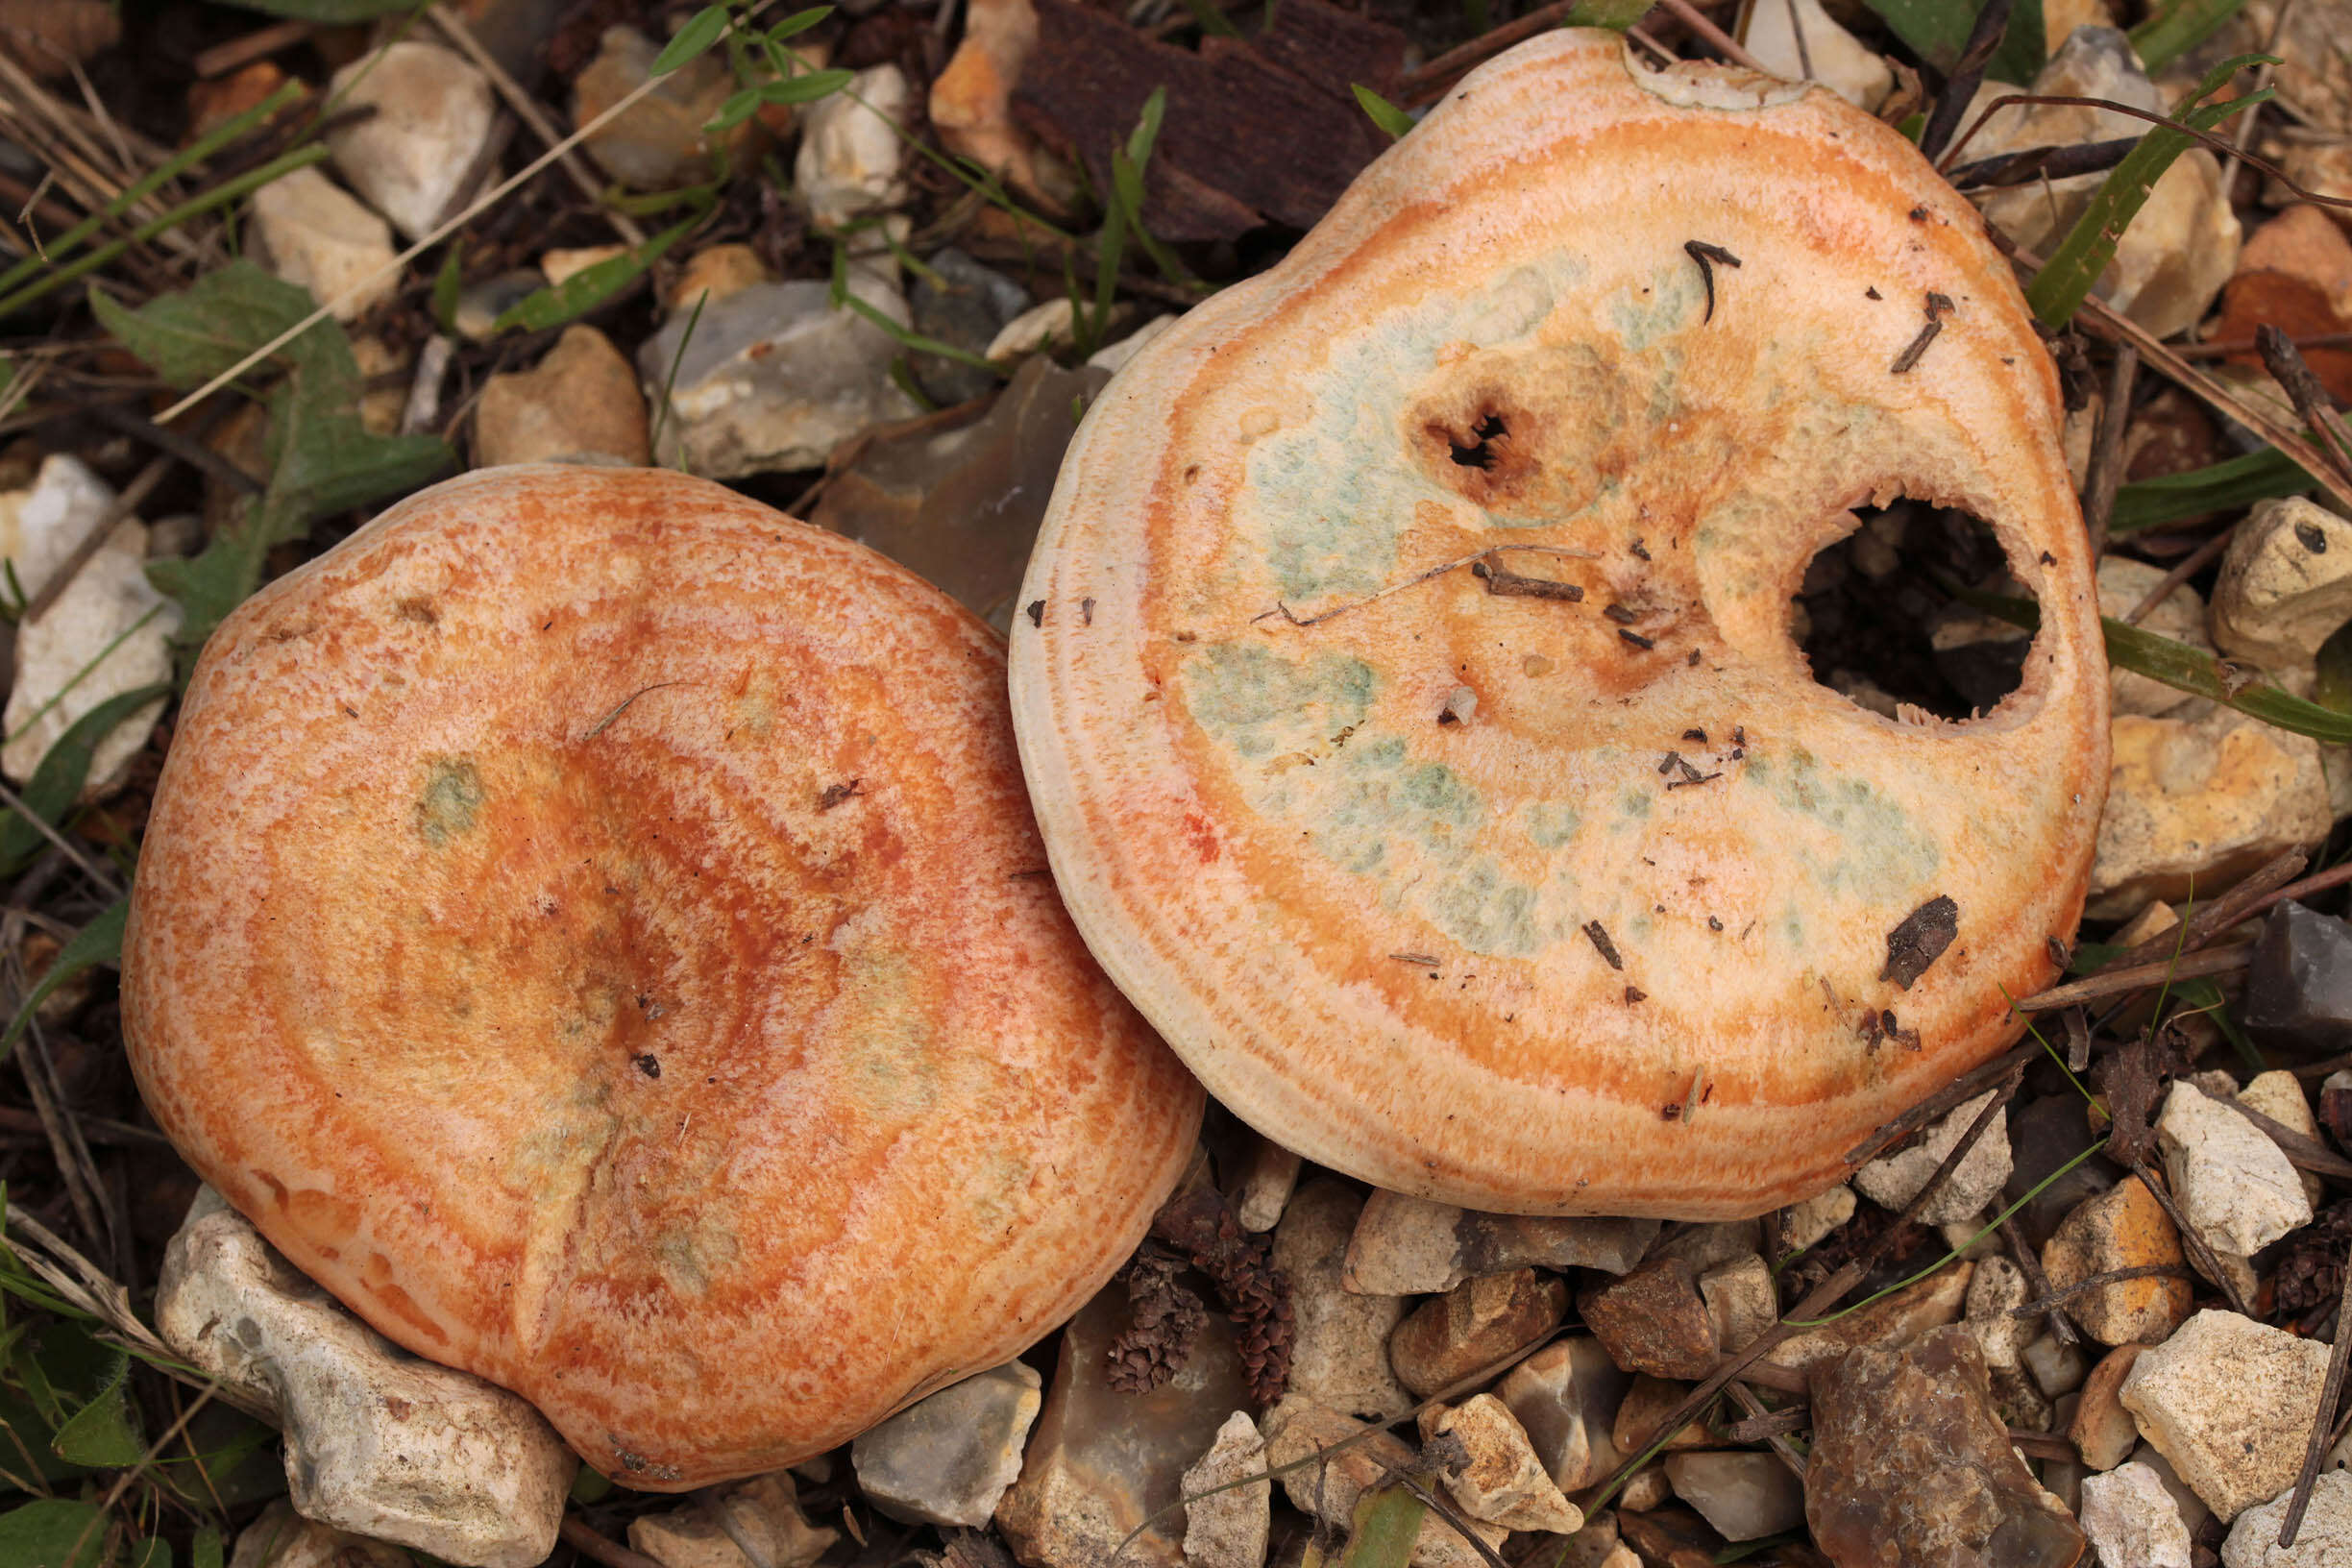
{"x": 763, "y": 1513}
{"x": 1034, "y": 330}
{"x": 1894, "y": 1180}
{"x": 1742, "y": 1299}
{"x": 2279, "y": 1095}
{"x": 2285, "y": 586}
{"x": 282, "y": 1538}
{"x": 317, "y": 235}
{"x": 2131, "y": 1519}
{"x": 41, "y": 524}
{"x": 2200, "y": 801}
{"x": 948, "y": 1458}
{"x": 1809, "y": 1221}
{"x": 2230, "y": 1403}
{"x": 1339, "y": 1337}
{"x": 1744, "y": 1493}
{"x": 2324, "y": 1540}
{"x": 1839, "y": 59}
{"x": 2233, "y": 1186}
{"x": 109, "y": 632}
{"x": 377, "y": 1442}
{"x": 1343, "y": 1462}
{"x": 848, "y": 166}
{"x": 431, "y": 126}
{"x": 1268, "y": 1177}
{"x": 1501, "y": 1480}
{"x": 1997, "y": 1286}
{"x": 1228, "y": 1529}
{"x": 772, "y": 378}
{"x": 2180, "y": 615}
{"x": 2183, "y": 245}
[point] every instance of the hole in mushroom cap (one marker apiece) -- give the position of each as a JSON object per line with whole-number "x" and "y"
{"x": 1878, "y": 625}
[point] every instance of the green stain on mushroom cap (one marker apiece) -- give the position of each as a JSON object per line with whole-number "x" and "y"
{"x": 450, "y": 800}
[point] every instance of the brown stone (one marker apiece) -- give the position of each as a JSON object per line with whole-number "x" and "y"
{"x": 1102, "y": 1462}
{"x": 2103, "y": 1430}
{"x": 582, "y": 403}
{"x": 2125, "y": 1227}
{"x": 1654, "y": 1321}
{"x": 1475, "y": 1325}
{"x": 1300, "y": 1427}
{"x": 1339, "y": 1339}
{"x": 1889, "y": 1324}
{"x": 1566, "y": 1396}
{"x": 1669, "y": 1537}
{"x": 1645, "y": 1409}
{"x": 1499, "y": 1478}
{"x": 1911, "y": 1466}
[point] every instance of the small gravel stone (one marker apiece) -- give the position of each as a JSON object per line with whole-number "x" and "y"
{"x": 2324, "y": 1540}
{"x": 1475, "y": 1325}
{"x": 2130, "y": 1518}
{"x": 2230, "y": 1402}
{"x": 948, "y": 1458}
{"x": 1406, "y": 1247}
{"x": 1566, "y": 1397}
{"x": 2103, "y": 1430}
{"x": 2232, "y": 1182}
{"x": 1744, "y": 1493}
{"x": 1339, "y": 1337}
{"x": 1228, "y": 1529}
{"x": 1893, "y": 1180}
{"x": 2122, "y": 1228}
{"x": 1502, "y": 1481}
{"x": 1654, "y": 1321}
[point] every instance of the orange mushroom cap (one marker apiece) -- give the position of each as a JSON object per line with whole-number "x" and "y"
{"x": 1407, "y": 690}
{"x": 592, "y": 924}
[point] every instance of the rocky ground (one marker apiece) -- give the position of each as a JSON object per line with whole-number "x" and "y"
{"x": 2085, "y": 1303}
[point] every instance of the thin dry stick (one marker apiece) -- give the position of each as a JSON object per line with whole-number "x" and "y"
{"x": 2107, "y": 453}
{"x": 1493, "y": 41}
{"x": 2301, "y": 1152}
{"x": 2330, "y": 1392}
{"x": 2311, "y": 400}
{"x": 1967, "y": 1087}
{"x": 74, "y": 852}
{"x": 440, "y": 232}
{"x": 2219, "y": 144}
{"x": 2048, "y": 1301}
{"x": 1825, "y": 1295}
{"x": 2334, "y": 876}
{"x": 237, "y": 53}
{"x": 452, "y": 26}
{"x": 610, "y": 1553}
{"x": 70, "y": 1152}
{"x": 2263, "y": 78}
{"x": 2061, "y": 1327}
{"x": 2194, "y": 562}
{"x": 2211, "y": 920}
{"x": 2201, "y": 1252}
{"x": 2112, "y": 983}
{"x": 2222, "y": 347}
{"x": 1690, "y": 17}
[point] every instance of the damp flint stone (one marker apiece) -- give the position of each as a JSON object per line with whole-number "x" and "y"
{"x": 1653, "y": 1320}
{"x": 948, "y": 1458}
{"x": 2298, "y": 990}
{"x": 1911, "y": 1464}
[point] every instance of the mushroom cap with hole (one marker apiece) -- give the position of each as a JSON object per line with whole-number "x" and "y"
{"x": 1525, "y": 902}
{"x": 592, "y": 925}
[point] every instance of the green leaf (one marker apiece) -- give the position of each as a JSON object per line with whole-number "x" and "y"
{"x": 1614, "y": 14}
{"x": 53, "y": 1532}
{"x": 2067, "y": 279}
{"x": 590, "y": 286}
{"x": 193, "y": 335}
{"x": 25, "y": 1453}
{"x": 798, "y": 23}
{"x": 1385, "y": 114}
{"x": 205, "y": 1551}
{"x": 1383, "y": 1529}
{"x": 448, "y": 284}
{"x": 734, "y": 111}
{"x": 57, "y": 782}
{"x": 804, "y": 88}
{"x": 1937, "y": 30}
{"x": 104, "y": 1433}
{"x": 589, "y": 1484}
{"x": 98, "y": 943}
{"x": 2238, "y": 481}
{"x": 2184, "y": 669}
{"x": 692, "y": 40}
{"x": 2175, "y": 28}
{"x": 153, "y": 1551}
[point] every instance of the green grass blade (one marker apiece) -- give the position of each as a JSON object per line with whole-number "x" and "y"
{"x": 590, "y": 286}
{"x": 690, "y": 41}
{"x": 1384, "y": 114}
{"x": 1386, "y": 1524}
{"x": 2068, "y": 278}
{"x": 57, "y": 782}
{"x": 2238, "y": 481}
{"x": 2178, "y": 27}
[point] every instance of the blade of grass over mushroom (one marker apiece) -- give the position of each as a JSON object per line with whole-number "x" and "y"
{"x": 2224, "y": 487}
{"x": 1937, "y": 30}
{"x": 2178, "y": 26}
{"x": 2185, "y": 669}
{"x": 1127, "y": 165}
{"x": 2060, "y": 287}
{"x": 590, "y": 286}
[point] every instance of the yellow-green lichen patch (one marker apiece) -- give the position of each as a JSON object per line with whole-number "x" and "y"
{"x": 450, "y": 800}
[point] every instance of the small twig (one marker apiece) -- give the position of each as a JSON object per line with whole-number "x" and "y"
{"x": 2219, "y": 144}
{"x": 97, "y": 873}
{"x": 1984, "y": 38}
{"x": 1493, "y": 41}
{"x": 2195, "y": 561}
{"x": 2049, "y": 1300}
{"x": 2330, "y": 1393}
{"x": 2311, "y": 400}
{"x": 610, "y": 1553}
{"x": 2301, "y": 1152}
{"x": 2220, "y": 348}
{"x": 1747, "y": 1400}
{"x": 2106, "y": 473}
{"x": 2211, "y": 920}
{"x": 1294, "y": 617}
{"x": 2201, "y": 1252}
{"x": 2061, "y": 1327}
{"x": 95, "y": 537}
{"x": 2334, "y": 876}
{"x": 1690, "y": 17}
{"x": 2112, "y": 983}
{"x": 2043, "y": 163}
{"x": 1967, "y": 1087}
